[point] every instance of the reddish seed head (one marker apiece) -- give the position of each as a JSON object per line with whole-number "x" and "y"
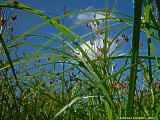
{"x": 119, "y": 86}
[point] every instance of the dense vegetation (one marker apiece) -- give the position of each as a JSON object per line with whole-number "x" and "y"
{"x": 58, "y": 79}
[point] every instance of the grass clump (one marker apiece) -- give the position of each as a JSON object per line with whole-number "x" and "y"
{"x": 65, "y": 81}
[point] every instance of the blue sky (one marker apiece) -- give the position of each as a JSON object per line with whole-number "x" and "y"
{"x": 56, "y": 8}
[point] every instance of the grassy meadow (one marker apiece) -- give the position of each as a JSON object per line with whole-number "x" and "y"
{"x": 111, "y": 72}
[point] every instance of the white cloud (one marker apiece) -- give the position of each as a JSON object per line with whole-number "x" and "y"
{"x": 96, "y": 46}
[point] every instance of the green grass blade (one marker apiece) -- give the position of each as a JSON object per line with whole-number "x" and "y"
{"x": 134, "y": 57}
{"x": 8, "y": 56}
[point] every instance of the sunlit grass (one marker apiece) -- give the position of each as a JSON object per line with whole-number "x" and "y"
{"x": 53, "y": 82}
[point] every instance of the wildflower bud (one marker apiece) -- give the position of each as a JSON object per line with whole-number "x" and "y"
{"x": 57, "y": 20}
{"x": 66, "y": 11}
{"x": 14, "y": 17}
